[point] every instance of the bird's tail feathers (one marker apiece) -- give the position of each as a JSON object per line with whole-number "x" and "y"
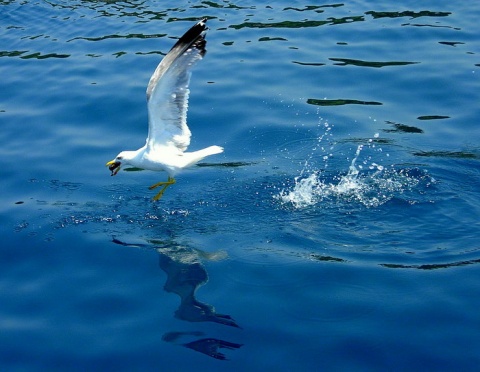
{"x": 212, "y": 150}
{"x": 196, "y": 156}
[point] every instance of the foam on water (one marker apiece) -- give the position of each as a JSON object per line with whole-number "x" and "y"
{"x": 369, "y": 183}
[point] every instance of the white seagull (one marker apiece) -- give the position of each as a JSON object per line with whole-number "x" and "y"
{"x": 167, "y": 101}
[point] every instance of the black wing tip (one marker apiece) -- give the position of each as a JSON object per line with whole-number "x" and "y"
{"x": 198, "y": 28}
{"x": 202, "y": 23}
{"x": 192, "y": 36}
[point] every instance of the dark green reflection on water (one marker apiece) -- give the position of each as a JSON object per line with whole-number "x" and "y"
{"x": 447, "y": 154}
{"x": 37, "y": 55}
{"x": 358, "y": 62}
{"x": 407, "y": 13}
{"x": 403, "y": 128}
{"x": 340, "y": 102}
{"x": 298, "y": 24}
{"x": 432, "y": 266}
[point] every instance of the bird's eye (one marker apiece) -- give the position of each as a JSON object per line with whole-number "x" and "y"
{"x": 119, "y": 157}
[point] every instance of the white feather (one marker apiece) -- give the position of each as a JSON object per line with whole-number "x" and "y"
{"x": 167, "y": 101}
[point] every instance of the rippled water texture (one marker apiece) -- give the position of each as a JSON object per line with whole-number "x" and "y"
{"x": 338, "y": 230}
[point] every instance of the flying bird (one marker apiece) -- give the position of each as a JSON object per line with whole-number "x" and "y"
{"x": 167, "y": 102}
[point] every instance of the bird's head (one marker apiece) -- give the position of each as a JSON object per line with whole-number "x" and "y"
{"x": 116, "y": 164}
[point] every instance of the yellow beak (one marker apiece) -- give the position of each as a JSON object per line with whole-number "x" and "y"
{"x": 114, "y": 166}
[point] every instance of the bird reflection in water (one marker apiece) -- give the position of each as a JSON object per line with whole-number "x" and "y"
{"x": 185, "y": 273}
{"x": 208, "y": 346}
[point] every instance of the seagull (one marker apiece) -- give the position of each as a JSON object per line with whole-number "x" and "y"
{"x": 167, "y": 102}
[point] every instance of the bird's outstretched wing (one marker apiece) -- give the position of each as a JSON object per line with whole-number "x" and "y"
{"x": 167, "y": 91}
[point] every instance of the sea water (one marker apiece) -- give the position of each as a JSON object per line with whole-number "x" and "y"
{"x": 365, "y": 181}
{"x": 338, "y": 230}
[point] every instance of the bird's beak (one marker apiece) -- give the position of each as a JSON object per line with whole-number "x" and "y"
{"x": 113, "y": 166}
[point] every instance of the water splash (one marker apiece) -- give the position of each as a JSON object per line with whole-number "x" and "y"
{"x": 368, "y": 183}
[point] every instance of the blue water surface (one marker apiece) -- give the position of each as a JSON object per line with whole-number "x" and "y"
{"x": 339, "y": 230}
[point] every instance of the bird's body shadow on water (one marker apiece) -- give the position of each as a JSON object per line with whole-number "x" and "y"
{"x": 232, "y": 164}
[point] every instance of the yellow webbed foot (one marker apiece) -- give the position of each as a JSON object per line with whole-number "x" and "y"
{"x": 165, "y": 184}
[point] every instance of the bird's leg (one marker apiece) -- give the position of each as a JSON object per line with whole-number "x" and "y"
{"x": 165, "y": 184}
{"x": 169, "y": 182}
